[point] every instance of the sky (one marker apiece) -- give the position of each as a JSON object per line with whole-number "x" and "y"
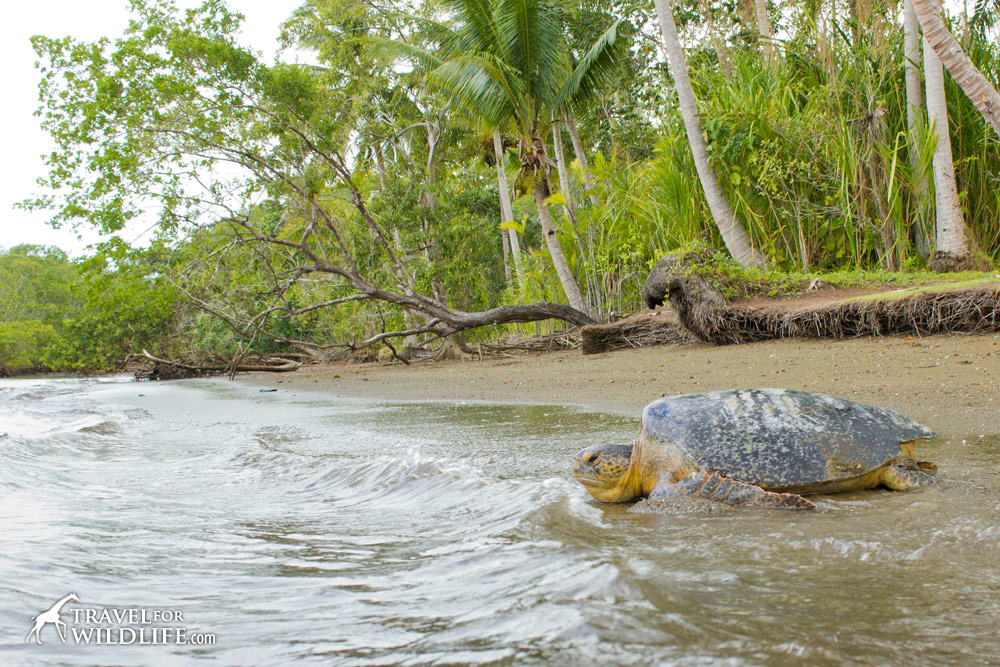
{"x": 23, "y": 140}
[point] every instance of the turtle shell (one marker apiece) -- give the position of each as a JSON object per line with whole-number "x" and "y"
{"x": 778, "y": 437}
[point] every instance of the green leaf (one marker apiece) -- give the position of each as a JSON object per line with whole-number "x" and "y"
{"x": 517, "y": 227}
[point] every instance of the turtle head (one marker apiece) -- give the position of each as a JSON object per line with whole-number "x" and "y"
{"x": 606, "y": 472}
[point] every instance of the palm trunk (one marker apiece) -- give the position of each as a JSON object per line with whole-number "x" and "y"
{"x": 914, "y": 106}
{"x": 730, "y": 226}
{"x": 506, "y": 209}
{"x": 951, "y": 232}
{"x": 564, "y": 186}
{"x": 572, "y": 290}
{"x": 581, "y": 156}
{"x": 978, "y": 88}
{"x": 764, "y": 27}
{"x": 505, "y": 242}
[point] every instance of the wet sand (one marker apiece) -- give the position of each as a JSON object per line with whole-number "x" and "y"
{"x": 949, "y": 382}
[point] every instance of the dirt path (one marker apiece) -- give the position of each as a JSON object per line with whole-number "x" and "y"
{"x": 949, "y": 382}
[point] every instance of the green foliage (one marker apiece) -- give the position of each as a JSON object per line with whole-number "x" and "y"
{"x": 243, "y": 161}
{"x": 37, "y": 283}
{"x": 22, "y": 345}
{"x": 38, "y": 293}
{"x": 126, "y": 306}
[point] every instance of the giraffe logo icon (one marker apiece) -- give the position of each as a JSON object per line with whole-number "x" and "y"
{"x": 51, "y": 615}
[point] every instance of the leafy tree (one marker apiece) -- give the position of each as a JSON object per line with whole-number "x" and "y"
{"x": 23, "y": 344}
{"x": 37, "y": 283}
{"x": 127, "y": 306}
{"x": 38, "y": 293}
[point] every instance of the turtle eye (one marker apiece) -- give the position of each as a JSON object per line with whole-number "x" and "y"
{"x": 592, "y": 458}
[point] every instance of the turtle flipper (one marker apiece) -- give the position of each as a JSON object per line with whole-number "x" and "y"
{"x": 907, "y": 474}
{"x": 712, "y": 486}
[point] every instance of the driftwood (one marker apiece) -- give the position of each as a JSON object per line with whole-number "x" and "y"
{"x": 663, "y": 327}
{"x": 155, "y": 368}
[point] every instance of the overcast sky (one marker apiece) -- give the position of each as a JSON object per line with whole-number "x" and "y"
{"x": 24, "y": 142}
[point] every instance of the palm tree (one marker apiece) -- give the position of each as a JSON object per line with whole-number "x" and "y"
{"x": 914, "y": 108}
{"x": 506, "y": 209}
{"x": 952, "y": 245}
{"x": 978, "y": 88}
{"x": 733, "y": 232}
{"x": 581, "y": 156}
{"x": 511, "y": 71}
{"x": 764, "y": 28}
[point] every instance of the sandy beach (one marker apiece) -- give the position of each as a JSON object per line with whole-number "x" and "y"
{"x": 949, "y": 382}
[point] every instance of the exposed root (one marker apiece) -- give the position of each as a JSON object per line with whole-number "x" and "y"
{"x": 563, "y": 340}
{"x": 968, "y": 310}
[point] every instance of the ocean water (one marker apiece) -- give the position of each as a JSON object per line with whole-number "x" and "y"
{"x": 278, "y": 528}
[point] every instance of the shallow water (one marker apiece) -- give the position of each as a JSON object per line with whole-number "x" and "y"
{"x": 294, "y": 528}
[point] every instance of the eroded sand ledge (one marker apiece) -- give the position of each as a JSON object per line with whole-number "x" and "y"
{"x": 949, "y": 382}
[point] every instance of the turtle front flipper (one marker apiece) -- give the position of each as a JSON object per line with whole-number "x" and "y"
{"x": 712, "y": 486}
{"x": 906, "y": 474}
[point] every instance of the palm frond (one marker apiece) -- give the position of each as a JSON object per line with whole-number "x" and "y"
{"x": 436, "y": 32}
{"x": 306, "y": 8}
{"x": 595, "y": 68}
{"x": 532, "y": 37}
{"x": 477, "y": 29}
{"x": 393, "y": 49}
{"x": 485, "y": 87}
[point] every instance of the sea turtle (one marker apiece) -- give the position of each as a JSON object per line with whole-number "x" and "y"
{"x": 762, "y": 447}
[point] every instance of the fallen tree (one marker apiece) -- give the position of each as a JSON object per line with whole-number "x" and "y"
{"x": 145, "y": 366}
{"x": 703, "y": 310}
{"x": 968, "y": 310}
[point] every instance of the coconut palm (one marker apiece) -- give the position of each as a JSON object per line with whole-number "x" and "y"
{"x": 506, "y": 209}
{"x": 511, "y": 70}
{"x": 764, "y": 28}
{"x": 952, "y": 244}
{"x": 731, "y": 228}
{"x": 914, "y": 108}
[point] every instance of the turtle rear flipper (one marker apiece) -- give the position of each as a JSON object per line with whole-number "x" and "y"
{"x": 712, "y": 486}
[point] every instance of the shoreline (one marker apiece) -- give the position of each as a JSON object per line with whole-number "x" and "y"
{"x": 948, "y": 382}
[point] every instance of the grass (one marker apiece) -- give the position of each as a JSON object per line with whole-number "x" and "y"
{"x": 941, "y": 286}
{"x": 739, "y": 283}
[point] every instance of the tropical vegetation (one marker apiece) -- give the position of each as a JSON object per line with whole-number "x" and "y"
{"x": 413, "y": 172}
